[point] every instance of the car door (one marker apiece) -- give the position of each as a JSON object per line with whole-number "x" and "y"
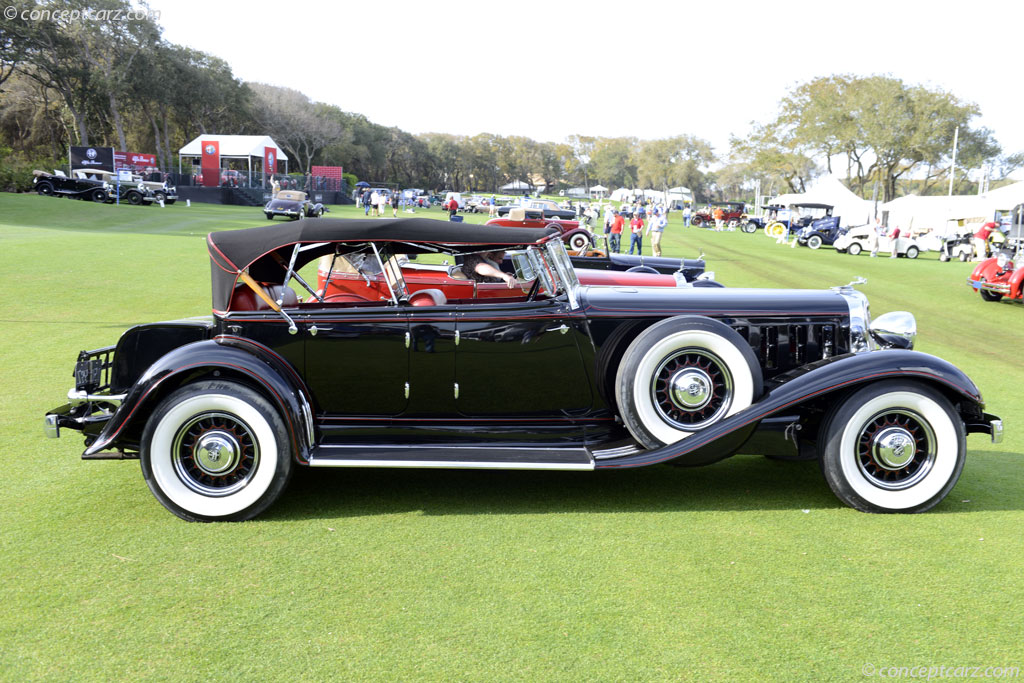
{"x": 357, "y": 360}
{"x": 520, "y": 359}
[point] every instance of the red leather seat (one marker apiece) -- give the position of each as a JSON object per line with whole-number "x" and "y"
{"x": 428, "y": 297}
{"x": 244, "y": 299}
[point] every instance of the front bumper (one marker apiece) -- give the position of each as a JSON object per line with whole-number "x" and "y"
{"x": 996, "y": 287}
{"x": 988, "y": 424}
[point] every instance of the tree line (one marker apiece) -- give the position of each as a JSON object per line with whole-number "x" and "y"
{"x": 119, "y": 83}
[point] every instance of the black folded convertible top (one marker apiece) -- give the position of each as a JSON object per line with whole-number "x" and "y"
{"x": 263, "y": 250}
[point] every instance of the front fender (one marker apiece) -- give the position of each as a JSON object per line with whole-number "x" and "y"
{"x": 812, "y": 381}
{"x": 232, "y": 356}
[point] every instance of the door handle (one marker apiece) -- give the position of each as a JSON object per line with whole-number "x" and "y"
{"x": 562, "y": 328}
{"x": 314, "y": 329}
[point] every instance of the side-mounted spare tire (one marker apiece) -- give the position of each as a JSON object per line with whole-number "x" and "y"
{"x": 682, "y": 375}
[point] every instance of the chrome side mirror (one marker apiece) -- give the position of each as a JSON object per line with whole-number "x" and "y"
{"x": 895, "y": 330}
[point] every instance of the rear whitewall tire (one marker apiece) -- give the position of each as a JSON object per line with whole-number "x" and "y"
{"x": 707, "y": 341}
{"x": 176, "y": 480}
{"x": 850, "y": 465}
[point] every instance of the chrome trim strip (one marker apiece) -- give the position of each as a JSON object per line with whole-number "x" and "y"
{"x": 77, "y": 398}
{"x": 452, "y": 464}
{"x": 307, "y": 416}
{"x": 615, "y": 452}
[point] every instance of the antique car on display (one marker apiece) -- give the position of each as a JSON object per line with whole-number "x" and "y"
{"x": 755, "y": 223}
{"x": 59, "y": 185}
{"x": 135, "y": 191}
{"x": 1001, "y": 276}
{"x": 856, "y": 240}
{"x": 541, "y": 208}
{"x": 561, "y": 376}
{"x": 732, "y": 213}
{"x": 818, "y": 226}
{"x": 293, "y": 204}
{"x": 574, "y": 236}
{"x": 959, "y": 247}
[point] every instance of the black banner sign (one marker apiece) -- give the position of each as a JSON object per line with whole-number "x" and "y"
{"x": 96, "y": 158}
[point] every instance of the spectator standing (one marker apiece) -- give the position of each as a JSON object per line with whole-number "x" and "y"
{"x": 894, "y": 237}
{"x": 719, "y": 215}
{"x": 636, "y": 236}
{"x": 656, "y": 228}
{"x": 687, "y": 211}
{"x": 367, "y": 198}
{"x": 374, "y": 203}
{"x": 275, "y": 187}
{"x": 394, "y": 205}
{"x": 877, "y": 232}
{"x": 308, "y": 185}
{"x": 453, "y": 207}
{"x": 981, "y": 240}
{"x": 618, "y": 222}
{"x": 492, "y": 209}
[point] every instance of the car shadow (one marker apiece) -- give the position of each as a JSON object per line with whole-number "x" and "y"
{"x": 743, "y": 483}
{"x": 737, "y": 484}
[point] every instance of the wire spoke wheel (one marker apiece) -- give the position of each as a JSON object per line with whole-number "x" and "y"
{"x": 692, "y": 389}
{"x": 215, "y": 454}
{"x": 896, "y": 450}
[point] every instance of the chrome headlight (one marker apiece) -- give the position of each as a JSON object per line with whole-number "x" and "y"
{"x": 895, "y": 330}
{"x": 1002, "y": 260}
{"x": 141, "y": 186}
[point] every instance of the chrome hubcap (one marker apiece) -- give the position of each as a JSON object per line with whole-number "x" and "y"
{"x": 690, "y": 389}
{"x": 893, "y": 448}
{"x": 216, "y": 452}
{"x": 896, "y": 449}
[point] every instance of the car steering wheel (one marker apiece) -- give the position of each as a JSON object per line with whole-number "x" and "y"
{"x": 533, "y": 290}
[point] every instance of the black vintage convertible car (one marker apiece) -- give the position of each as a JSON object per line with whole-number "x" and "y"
{"x": 59, "y": 185}
{"x": 553, "y": 376}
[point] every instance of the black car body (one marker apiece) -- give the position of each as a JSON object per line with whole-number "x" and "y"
{"x": 134, "y": 191}
{"x": 566, "y": 377}
{"x": 293, "y": 204}
{"x": 59, "y": 185}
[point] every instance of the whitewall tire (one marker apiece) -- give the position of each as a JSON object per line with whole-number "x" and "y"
{"x": 683, "y": 375}
{"x": 893, "y": 447}
{"x": 215, "y": 451}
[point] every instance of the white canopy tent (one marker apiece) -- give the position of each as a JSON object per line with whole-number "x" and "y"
{"x": 234, "y": 147}
{"x": 831, "y": 190}
{"x": 599, "y": 190}
{"x": 516, "y": 186}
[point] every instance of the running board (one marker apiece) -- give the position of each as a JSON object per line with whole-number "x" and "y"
{"x": 452, "y": 457}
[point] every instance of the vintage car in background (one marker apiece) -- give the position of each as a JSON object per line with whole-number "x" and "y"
{"x": 856, "y": 240}
{"x": 555, "y": 375}
{"x": 136, "y": 191}
{"x": 59, "y": 185}
{"x": 732, "y": 213}
{"x": 958, "y": 247}
{"x": 755, "y": 223}
{"x": 575, "y": 236}
{"x": 542, "y": 208}
{"x": 816, "y": 225}
{"x": 1001, "y": 276}
{"x": 293, "y": 204}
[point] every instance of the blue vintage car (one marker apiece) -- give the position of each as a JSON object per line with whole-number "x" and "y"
{"x": 816, "y": 225}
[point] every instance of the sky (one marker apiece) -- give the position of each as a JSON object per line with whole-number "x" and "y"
{"x": 547, "y": 70}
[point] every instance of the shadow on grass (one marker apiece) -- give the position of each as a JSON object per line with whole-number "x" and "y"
{"x": 744, "y": 483}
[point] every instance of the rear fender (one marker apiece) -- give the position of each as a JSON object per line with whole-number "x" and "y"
{"x": 225, "y": 357}
{"x": 813, "y": 382}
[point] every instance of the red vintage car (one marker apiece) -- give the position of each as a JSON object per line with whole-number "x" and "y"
{"x": 732, "y": 214}
{"x": 575, "y": 237}
{"x": 1002, "y": 275}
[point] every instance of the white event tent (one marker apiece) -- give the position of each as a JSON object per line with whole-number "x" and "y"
{"x": 235, "y": 147}
{"x": 830, "y": 190}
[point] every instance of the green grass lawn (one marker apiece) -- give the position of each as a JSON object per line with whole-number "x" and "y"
{"x": 747, "y": 569}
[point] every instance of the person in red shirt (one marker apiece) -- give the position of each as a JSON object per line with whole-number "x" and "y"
{"x": 636, "y": 239}
{"x": 981, "y": 239}
{"x": 616, "y": 234}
